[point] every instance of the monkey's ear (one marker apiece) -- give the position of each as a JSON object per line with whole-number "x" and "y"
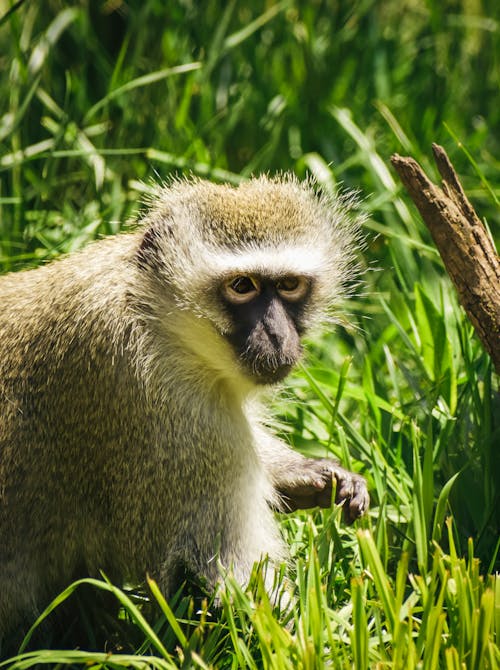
{"x": 149, "y": 247}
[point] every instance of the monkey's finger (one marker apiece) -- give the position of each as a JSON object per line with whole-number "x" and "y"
{"x": 344, "y": 487}
{"x": 358, "y": 504}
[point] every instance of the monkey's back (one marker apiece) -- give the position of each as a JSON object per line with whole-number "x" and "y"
{"x": 58, "y": 323}
{"x": 66, "y": 389}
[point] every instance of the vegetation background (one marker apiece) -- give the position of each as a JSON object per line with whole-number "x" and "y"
{"x": 97, "y": 97}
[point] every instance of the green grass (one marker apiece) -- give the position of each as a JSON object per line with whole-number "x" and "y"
{"x": 95, "y": 102}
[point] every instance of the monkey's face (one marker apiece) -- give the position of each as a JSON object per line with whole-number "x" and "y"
{"x": 266, "y": 315}
{"x": 245, "y": 270}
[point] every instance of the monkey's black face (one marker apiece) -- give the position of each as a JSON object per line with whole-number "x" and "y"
{"x": 266, "y": 318}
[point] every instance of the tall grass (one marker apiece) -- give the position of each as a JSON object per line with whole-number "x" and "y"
{"x": 98, "y": 97}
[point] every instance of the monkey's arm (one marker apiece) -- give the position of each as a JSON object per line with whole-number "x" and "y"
{"x": 303, "y": 482}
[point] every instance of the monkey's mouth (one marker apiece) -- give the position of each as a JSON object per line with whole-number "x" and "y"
{"x": 268, "y": 371}
{"x": 267, "y": 361}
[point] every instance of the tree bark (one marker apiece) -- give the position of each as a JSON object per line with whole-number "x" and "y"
{"x": 466, "y": 248}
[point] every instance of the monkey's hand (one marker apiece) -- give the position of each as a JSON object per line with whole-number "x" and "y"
{"x": 310, "y": 484}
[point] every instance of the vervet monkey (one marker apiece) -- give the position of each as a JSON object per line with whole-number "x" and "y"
{"x": 130, "y": 432}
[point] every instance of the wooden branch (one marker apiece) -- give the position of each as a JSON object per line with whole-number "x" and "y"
{"x": 465, "y": 246}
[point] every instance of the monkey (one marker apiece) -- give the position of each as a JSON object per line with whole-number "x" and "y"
{"x": 132, "y": 372}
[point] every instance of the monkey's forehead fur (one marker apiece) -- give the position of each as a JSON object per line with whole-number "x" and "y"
{"x": 266, "y": 225}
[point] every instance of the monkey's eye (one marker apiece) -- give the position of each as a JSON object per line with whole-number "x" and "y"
{"x": 292, "y": 287}
{"x": 241, "y": 289}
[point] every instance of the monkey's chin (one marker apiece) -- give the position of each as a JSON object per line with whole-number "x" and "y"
{"x": 269, "y": 377}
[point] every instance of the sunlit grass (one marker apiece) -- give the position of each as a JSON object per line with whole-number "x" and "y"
{"x": 95, "y": 102}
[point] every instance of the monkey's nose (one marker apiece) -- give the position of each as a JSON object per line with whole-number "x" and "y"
{"x": 284, "y": 345}
{"x": 279, "y": 338}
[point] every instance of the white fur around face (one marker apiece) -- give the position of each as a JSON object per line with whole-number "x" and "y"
{"x": 270, "y": 262}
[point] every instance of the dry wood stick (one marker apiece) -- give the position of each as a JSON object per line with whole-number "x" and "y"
{"x": 465, "y": 246}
